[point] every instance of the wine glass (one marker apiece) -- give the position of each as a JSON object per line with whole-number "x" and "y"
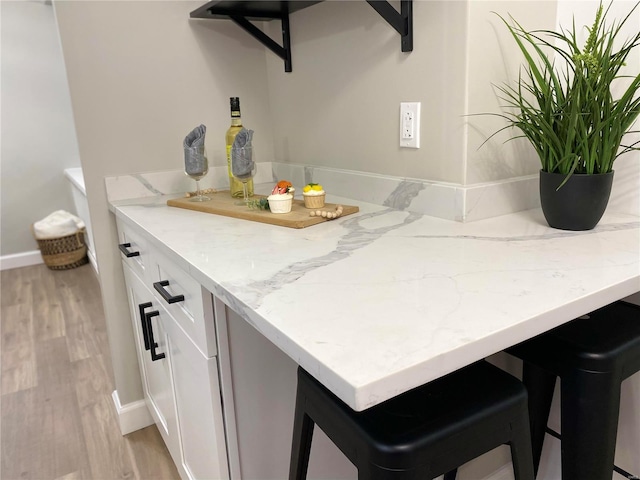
{"x": 196, "y": 166}
{"x": 243, "y": 168}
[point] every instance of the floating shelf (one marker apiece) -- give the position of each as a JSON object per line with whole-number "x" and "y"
{"x": 244, "y": 12}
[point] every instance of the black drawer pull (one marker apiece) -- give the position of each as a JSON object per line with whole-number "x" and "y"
{"x": 124, "y": 248}
{"x": 143, "y": 320}
{"x": 159, "y": 286}
{"x": 152, "y": 343}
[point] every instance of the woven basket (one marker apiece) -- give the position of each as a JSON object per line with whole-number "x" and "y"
{"x": 64, "y": 253}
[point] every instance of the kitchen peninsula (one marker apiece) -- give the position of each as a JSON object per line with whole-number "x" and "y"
{"x": 384, "y": 300}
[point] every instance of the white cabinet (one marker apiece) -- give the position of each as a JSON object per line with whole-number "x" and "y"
{"x": 199, "y": 409}
{"x": 174, "y": 325}
{"x": 149, "y": 323}
{"x": 194, "y": 313}
{"x": 135, "y": 252}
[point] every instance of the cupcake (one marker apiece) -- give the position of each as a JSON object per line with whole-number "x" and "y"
{"x": 313, "y": 195}
{"x": 281, "y": 197}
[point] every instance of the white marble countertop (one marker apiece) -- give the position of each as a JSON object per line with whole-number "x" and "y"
{"x": 377, "y": 303}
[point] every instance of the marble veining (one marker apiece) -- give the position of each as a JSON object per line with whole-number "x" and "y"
{"x": 376, "y": 303}
{"x": 439, "y": 199}
{"x": 546, "y": 236}
{"x": 356, "y": 238}
{"x": 462, "y": 203}
{"x": 403, "y": 195}
{"x": 147, "y": 185}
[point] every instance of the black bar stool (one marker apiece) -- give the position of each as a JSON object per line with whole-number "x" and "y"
{"x": 592, "y": 356}
{"x": 423, "y": 433}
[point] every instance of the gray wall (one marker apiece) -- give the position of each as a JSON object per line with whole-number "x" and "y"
{"x": 38, "y": 136}
{"x": 340, "y": 105}
{"x": 141, "y": 77}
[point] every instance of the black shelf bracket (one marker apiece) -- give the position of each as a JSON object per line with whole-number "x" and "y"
{"x": 402, "y": 21}
{"x": 284, "y": 51}
{"x": 243, "y": 12}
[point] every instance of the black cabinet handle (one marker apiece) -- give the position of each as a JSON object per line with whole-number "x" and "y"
{"x": 143, "y": 320}
{"x": 159, "y": 286}
{"x": 124, "y": 248}
{"x": 152, "y": 343}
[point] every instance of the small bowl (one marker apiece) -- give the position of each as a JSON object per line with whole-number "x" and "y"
{"x": 280, "y": 203}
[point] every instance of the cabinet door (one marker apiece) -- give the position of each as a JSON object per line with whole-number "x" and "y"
{"x": 198, "y": 402}
{"x": 157, "y": 378}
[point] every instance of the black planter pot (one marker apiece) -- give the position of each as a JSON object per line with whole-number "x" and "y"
{"x": 579, "y": 204}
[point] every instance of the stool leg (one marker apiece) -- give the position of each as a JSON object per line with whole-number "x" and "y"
{"x": 301, "y": 442}
{"x": 451, "y": 475}
{"x": 590, "y": 410}
{"x": 540, "y": 385}
{"x": 521, "y": 451}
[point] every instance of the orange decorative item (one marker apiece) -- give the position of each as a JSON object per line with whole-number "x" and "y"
{"x": 282, "y": 187}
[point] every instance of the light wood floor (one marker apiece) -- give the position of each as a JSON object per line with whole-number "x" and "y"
{"x": 57, "y": 419}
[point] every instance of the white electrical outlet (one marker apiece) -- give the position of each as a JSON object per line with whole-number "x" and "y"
{"x": 410, "y": 124}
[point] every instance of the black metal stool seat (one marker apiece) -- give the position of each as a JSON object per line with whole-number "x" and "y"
{"x": 423, "y": 433}
{"x": 592, "y": 356}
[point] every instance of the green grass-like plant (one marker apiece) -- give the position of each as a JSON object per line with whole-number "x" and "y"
{"x": 562, "y": 102}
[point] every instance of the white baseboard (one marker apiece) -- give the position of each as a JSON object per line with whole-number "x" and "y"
{"x": 94, "y": 262}
{"x": 132, "y": 416}
{"x": 17, "y": 260}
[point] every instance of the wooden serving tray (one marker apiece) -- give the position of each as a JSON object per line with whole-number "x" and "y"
{"x": 222, "y": 203}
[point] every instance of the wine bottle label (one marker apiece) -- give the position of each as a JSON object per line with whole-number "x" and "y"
{"x": 235, "y": 186}
{"x": 229, "y": 161}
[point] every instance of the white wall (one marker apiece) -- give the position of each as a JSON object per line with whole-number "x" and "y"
{"x": 497, "y": 160}
{"x": 38, "y": 136}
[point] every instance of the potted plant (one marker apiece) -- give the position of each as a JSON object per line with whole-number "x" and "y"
{"x": 564, "y": 105}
